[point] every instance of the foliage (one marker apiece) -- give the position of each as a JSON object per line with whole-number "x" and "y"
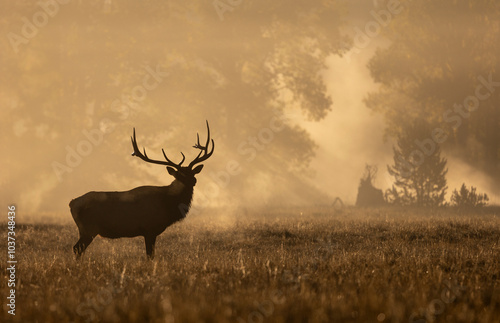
{"x": 436, "y": 68}
{"x": 256, "y": 63}
{"x": 397, "y": 197}
{"x": 468, "y": 198}
{"x": 419, "y": 171}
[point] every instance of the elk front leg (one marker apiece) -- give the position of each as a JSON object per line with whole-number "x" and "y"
{"x": 150, "y": 246}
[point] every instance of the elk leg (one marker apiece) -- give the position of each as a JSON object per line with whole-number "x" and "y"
{"x": 81, "y": 245}
{"x": 150, "y": 246}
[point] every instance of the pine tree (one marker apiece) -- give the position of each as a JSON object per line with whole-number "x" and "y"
{"x": 418, "y": 170}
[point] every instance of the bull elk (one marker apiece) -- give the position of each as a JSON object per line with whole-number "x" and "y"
{"x": 143, "y": 211}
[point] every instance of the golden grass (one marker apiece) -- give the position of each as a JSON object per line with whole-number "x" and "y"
{"x": 279, "y": 265}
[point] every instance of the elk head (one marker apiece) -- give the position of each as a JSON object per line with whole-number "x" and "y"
{"x": 184, "y": 174}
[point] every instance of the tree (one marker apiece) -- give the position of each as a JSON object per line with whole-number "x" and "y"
{"x": 241, "y": 73}
{"x": 418, "y": 170}
{"x": 436, "y": 68}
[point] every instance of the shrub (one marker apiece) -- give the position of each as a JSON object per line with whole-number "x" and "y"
{"x": 468, "y": 198}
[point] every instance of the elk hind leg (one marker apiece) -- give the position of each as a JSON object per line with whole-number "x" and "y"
{"x": 81, "y": 245}
{"x": 150, "y": 246}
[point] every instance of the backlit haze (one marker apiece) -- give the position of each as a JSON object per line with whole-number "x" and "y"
{"x": 285, "y": 92}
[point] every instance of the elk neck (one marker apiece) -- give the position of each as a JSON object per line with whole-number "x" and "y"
{"x": 183, "y": 191}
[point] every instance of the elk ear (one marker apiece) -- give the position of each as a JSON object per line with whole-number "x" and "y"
{"x": 197, "y": 169}
{"x": 171, "y": 171}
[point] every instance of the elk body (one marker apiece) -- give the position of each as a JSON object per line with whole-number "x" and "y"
{"x": 143, "y": 211}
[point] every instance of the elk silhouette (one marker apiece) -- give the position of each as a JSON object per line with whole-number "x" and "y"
{"x": 143, "y": 211}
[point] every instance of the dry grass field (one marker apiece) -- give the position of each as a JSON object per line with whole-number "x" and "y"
{"x": 280, "y": 265}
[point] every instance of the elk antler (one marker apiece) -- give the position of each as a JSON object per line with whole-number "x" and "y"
{"x": 204, "y": 149}
{"x": 145, "y": 157}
